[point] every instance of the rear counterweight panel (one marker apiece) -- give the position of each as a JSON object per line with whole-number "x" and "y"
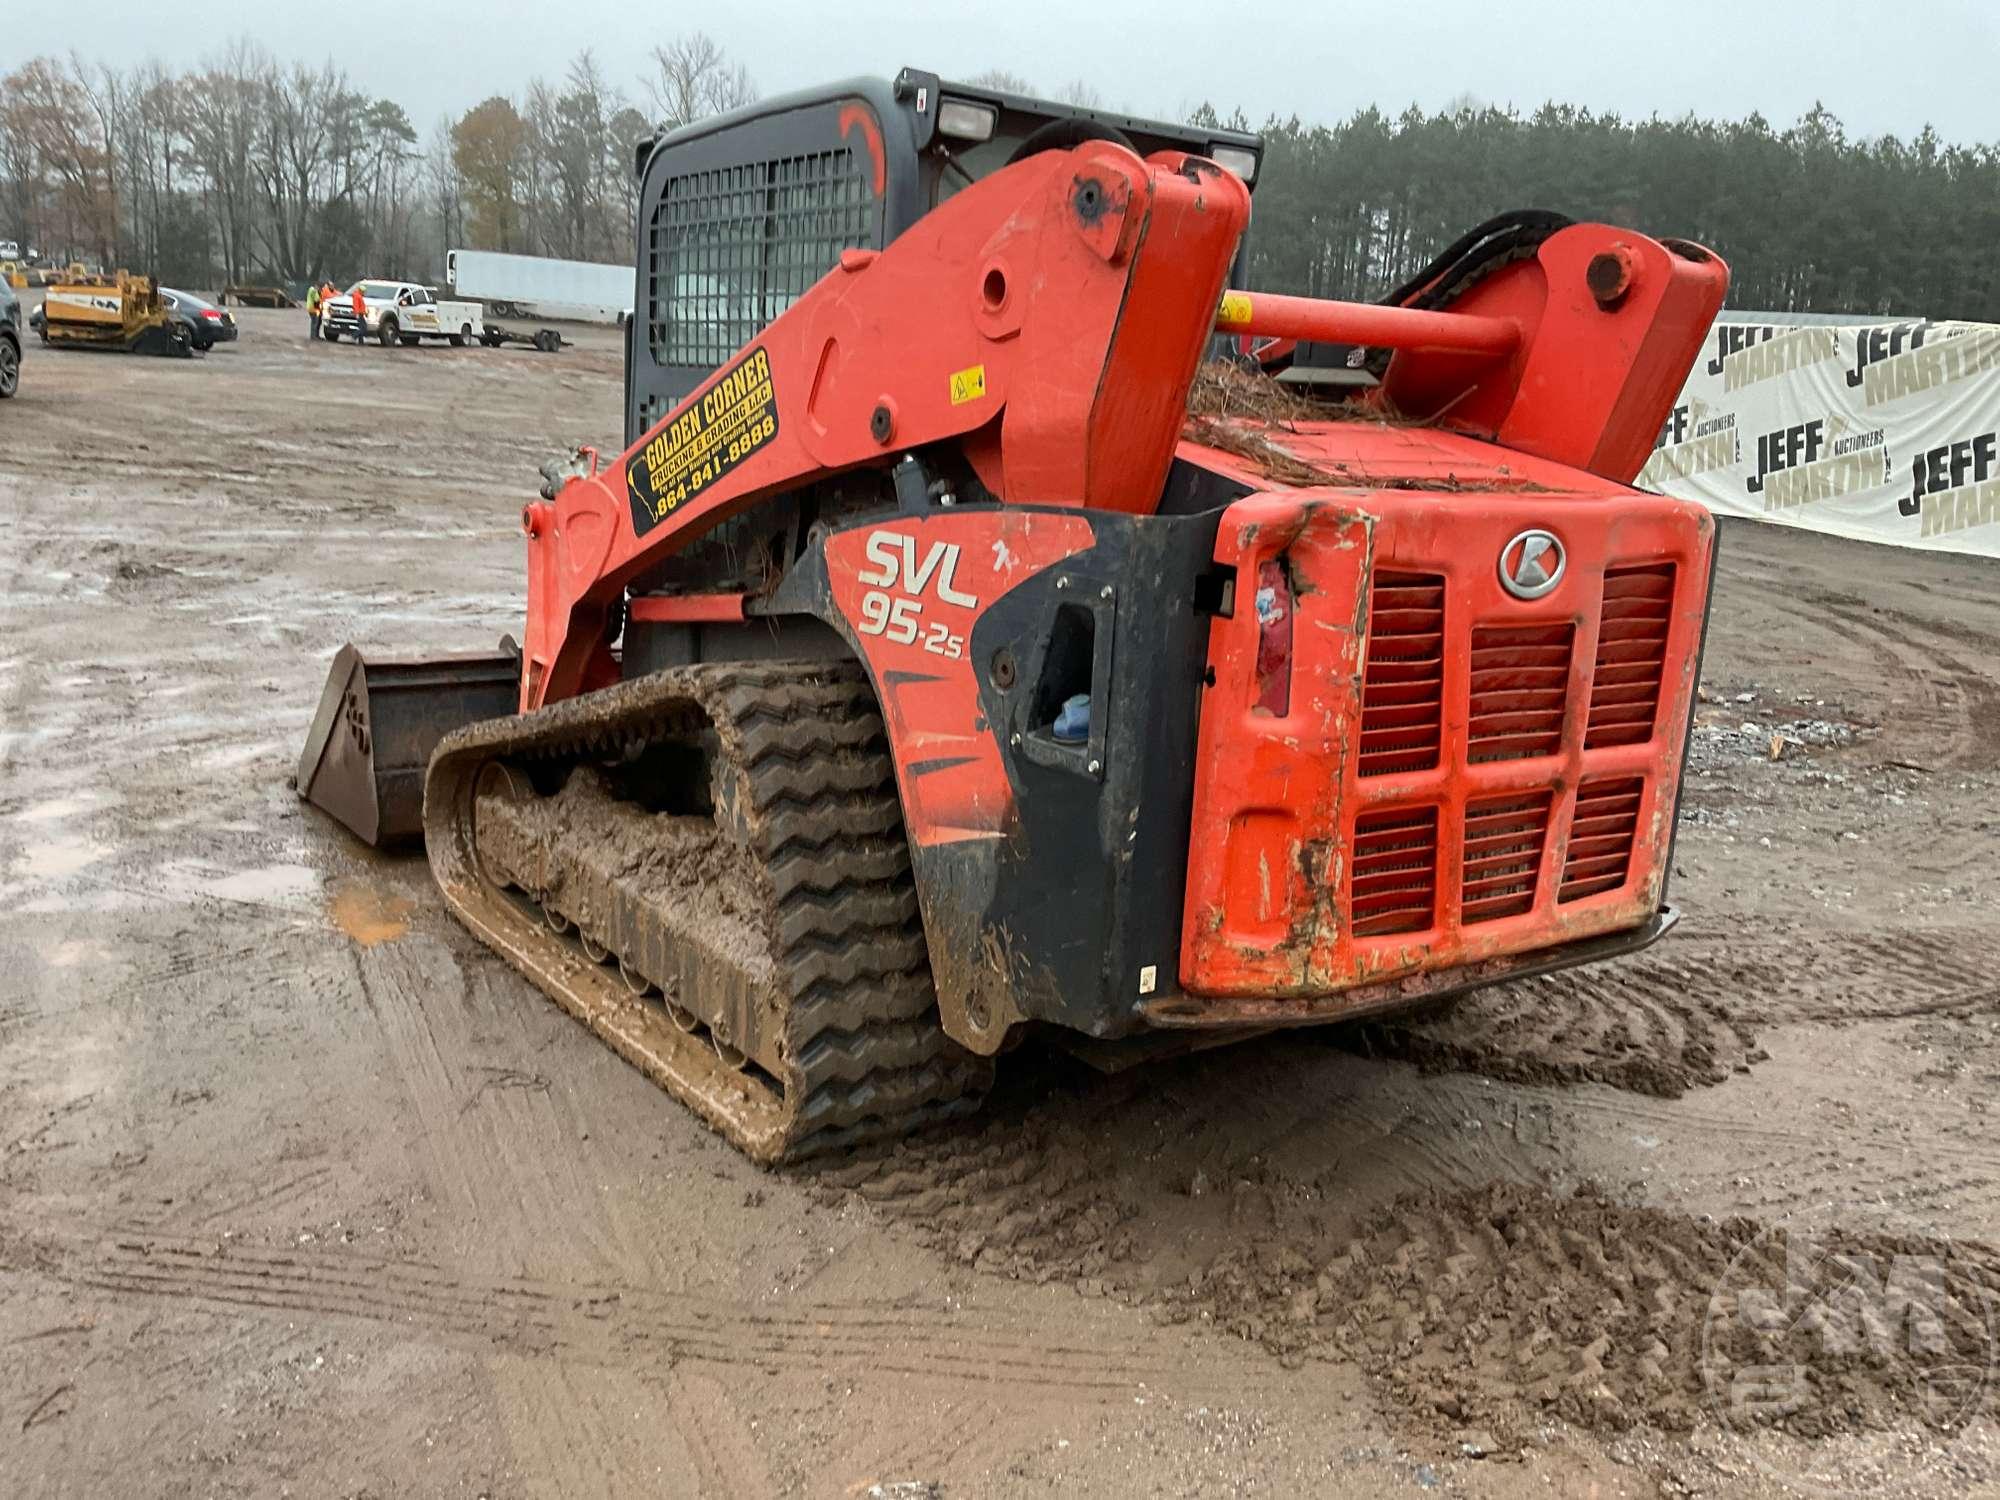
{"x": 1050, "y": 870}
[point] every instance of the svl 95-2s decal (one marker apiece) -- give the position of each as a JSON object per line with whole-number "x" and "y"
{"x": 913, "y": 590}
{"x": 899, "y": 615}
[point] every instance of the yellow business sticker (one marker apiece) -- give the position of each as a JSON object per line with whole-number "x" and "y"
{"x": 712, "y": 433}
{"x": 1235, "y": 310}
{"x": 968, "y": 385}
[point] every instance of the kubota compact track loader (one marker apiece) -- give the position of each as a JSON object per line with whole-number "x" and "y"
{"x": 922, "y": 672}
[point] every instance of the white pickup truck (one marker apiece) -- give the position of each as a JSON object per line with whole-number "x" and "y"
{"x": 399, "y": 312}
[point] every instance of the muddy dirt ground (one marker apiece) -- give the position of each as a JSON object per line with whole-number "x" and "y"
{"x": 301, "y": 1192}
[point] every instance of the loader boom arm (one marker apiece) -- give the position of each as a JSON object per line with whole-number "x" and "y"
{"x": 1050, "y": 317}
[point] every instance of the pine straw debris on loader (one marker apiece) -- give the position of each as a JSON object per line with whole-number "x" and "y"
{"x": 1222, "y": 390}
{"x": 1234, "y": 410}
{"x": 1226, "y": 400}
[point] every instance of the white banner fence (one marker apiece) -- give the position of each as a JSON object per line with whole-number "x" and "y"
{"x": 1888, "y": 432}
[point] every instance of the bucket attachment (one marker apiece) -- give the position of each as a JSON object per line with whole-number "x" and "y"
{"x": 377, "y": 723}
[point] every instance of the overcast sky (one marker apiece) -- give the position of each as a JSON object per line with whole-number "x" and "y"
{"x": 1884, "y": 65}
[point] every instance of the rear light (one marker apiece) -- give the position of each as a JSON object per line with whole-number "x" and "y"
{"x": 1243, "y": 163}
{"x": 965, "y": 120}
{"x": 212, "y": 315}
{"x": 1274, "y": 639}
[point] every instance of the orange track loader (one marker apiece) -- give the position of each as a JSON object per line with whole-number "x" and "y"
{"x": 922, "y": 674}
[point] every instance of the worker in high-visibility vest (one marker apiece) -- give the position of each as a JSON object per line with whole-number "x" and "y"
{"x": 360, "y": 314}
{"x": 327, "y": 292}
{"x": 312, "y": 310}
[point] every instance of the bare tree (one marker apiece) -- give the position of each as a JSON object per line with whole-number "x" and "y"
{"x": 693, "y": 77}
{"x": 1003, "y": 81}
{"x": 445, "y": 187}
{"x": 569, "y": 127}
{"x": 55, "y": 127}
{"x": 303, "y": 150}
{"x": 221, "y": 108}
{"x": 1083, "y": 95}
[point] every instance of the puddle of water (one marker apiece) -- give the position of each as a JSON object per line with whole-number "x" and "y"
{"x": 14, "y": 743}
{"x": 269, "y": 885}
{"x": 239, "y": 755}
{"x": 73, "y": 952}
{"x": 58, "y": 858}
{"x": 59, "y": 808}
{"x": 370, "y": 916}
{"x": 96, "y": 899}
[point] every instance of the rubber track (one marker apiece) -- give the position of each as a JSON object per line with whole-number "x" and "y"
{"x": 864, "y": 1057}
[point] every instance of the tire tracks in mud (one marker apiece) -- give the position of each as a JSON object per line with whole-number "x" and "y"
{"x": 1689, "y": 1014}
{"x": 1958, "y": 701}
{"x": 1077, "y": 1183}
{"x": 502, "y": 1168}
{"x": 719, "y": 1442}
{"x": 1499, "y": 1306}
{"x": 1507, "y": 1304}
{"x": 609, "y": 1324}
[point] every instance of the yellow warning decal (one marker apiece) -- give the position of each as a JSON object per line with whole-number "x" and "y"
{"x": 968, "y": 385}
{"x": 727, "y": 423}
{"x": 1235, "y": 310}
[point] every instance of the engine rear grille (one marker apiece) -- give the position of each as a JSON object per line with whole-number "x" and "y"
{"x": 1402, "y": 696}
{"x": 1631, "y": 655}
{"x": 1394, "y": 886}
{"x": 1503, "y": 855}
{"x": 1520, "y": 689}
{"x": 1601, "y": 837}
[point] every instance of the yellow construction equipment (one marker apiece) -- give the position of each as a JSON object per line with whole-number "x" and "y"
{"x": 119, "y": 312}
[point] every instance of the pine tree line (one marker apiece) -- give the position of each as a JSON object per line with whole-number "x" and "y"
{"x": 246, "y": 169}
{"x": 1808, "y": 218}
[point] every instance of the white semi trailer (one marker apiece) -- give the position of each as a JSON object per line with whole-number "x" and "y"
{"x": 538, "y": 287}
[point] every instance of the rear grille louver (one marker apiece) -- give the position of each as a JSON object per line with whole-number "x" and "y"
{"x": 1601, "y": 837}
{"x": 1503, "y": 855}
{"x": 1631, "y": 655}
{"x": 1402, "y": 695}
{"x": 1519, "y": 691}
{"x": 1525, "y": 700}
{"x": 1394, "y": 883}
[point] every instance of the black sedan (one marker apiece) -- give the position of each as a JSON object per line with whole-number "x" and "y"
{"x": 210, "y": 325}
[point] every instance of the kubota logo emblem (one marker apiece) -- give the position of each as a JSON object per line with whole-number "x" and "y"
{"x": 1532, "y": 564}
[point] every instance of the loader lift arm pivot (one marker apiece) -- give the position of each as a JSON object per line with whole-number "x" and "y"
{"x": 1049, "y": 317}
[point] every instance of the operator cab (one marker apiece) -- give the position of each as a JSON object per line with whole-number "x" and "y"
{"x": 740, "y": 214}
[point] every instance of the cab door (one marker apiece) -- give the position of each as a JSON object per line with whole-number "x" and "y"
{"x": 422, "y": 312}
